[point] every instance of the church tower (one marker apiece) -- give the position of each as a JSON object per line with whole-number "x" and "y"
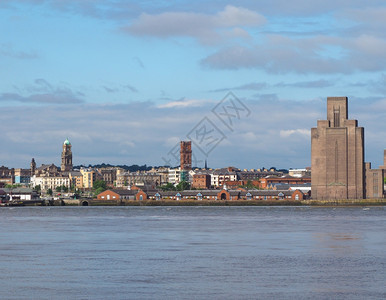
{"x": 186, "y": 155}
{"x": 33, "y": 167}
{"x": 66, "y": 157}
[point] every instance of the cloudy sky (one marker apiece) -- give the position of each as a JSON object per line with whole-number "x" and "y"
{"x": 125, "y": 80}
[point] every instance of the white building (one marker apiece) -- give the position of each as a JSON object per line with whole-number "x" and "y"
{"x": 299, "y": 172}
{"x": 50, "y": 182}
{"x": 174, "y": 175}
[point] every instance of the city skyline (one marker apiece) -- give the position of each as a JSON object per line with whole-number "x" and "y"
{"x": 125, "y": 84}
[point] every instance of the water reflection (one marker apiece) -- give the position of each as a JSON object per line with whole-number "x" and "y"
{"x": 339, "y": 242}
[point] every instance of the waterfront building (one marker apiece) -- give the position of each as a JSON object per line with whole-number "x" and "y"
{"x": 205, "y": 194}
{"x": 109, "y": 174}
{"x": 138, "y": 178}
{"x": 269, "y": 181}
{"x": 6, "y": 176}
{"x": 174, "y": 176}
{"x": 89, "y": 177}
{"x": 201, "y": 181}
{"x": 374, "y": 183}
{"x": 220, "y": 176}
{"x": 76, "y": 179}
{"x": 47, "y": 170}
{"x": 22, "y": 176}
{"x": 337, "y": 154}
{"x": 18, "y": 194}
{"x": 117, "y": 194}
{"x": 306, "y": 172}
{"x": 50, "y": 182}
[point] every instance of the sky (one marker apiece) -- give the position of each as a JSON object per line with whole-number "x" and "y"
{"x": 245, "y": 81}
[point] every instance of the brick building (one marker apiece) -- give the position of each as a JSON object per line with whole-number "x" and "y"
{"x": 337, "y": 154}
{"x": 201, "y": 181}
{"x": 269, "y": 181}
{"x": 374, "y": 180}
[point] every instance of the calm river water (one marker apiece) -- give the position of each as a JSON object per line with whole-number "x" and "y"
{"x": 192, "y": 253}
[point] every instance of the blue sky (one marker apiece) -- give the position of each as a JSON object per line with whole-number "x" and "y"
{"x": 126, "y": 80}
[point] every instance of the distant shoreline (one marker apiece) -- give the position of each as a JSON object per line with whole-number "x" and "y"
{"x": 315, "y": 203}
{"x": 368, "y": 202}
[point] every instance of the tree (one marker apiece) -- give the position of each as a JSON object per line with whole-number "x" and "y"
{"x": 99, "y": 187}
{"x": 49, "y": 191}
{"x": 183, "y": 185}
{"x": 12, "y": 186}
{"x": 73, "y": 187}
{"x": 100, "y": 184}
{"x": 168, "y": 187}
{"x": 249, "y": 185}
{"x": 61, "y": 188}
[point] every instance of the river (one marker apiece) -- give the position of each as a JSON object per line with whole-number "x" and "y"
{"x": 192, "y": 253}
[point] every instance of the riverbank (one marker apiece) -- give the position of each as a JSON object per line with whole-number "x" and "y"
{"x": 345, "y": 202}
{"x": 94, "y": 202}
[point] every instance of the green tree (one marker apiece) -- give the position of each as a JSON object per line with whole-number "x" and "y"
{"x": 249, "y": 185}
{"x": 61, "y": 188}
{"x": 168, "y": 187}
{"x": 183, "y": 185}
{"x": 49, "y": 191}
{"x": 12, "y": 186}
{"x": 73, "y": 187}
{"x": 99, "y": 186}
{"x": 38, "y": 188}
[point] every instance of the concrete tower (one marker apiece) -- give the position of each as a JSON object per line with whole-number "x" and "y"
{"x": 66, "y": 157}
{"x": 337, "y": 155}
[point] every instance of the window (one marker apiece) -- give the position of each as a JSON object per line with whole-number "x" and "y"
{"x": 336, "y": 117}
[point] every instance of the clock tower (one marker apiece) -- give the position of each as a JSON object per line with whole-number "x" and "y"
{"x": 66, "y": 157}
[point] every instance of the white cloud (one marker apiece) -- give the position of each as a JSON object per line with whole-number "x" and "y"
{"x": 275, "y": 134}
{"x": 319, "y": 54}
{"x": 290, "y": 132}
{"x": 185, "y": 103}
{"x": 42, "y": 92}
{"x": 208, "y": 29}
